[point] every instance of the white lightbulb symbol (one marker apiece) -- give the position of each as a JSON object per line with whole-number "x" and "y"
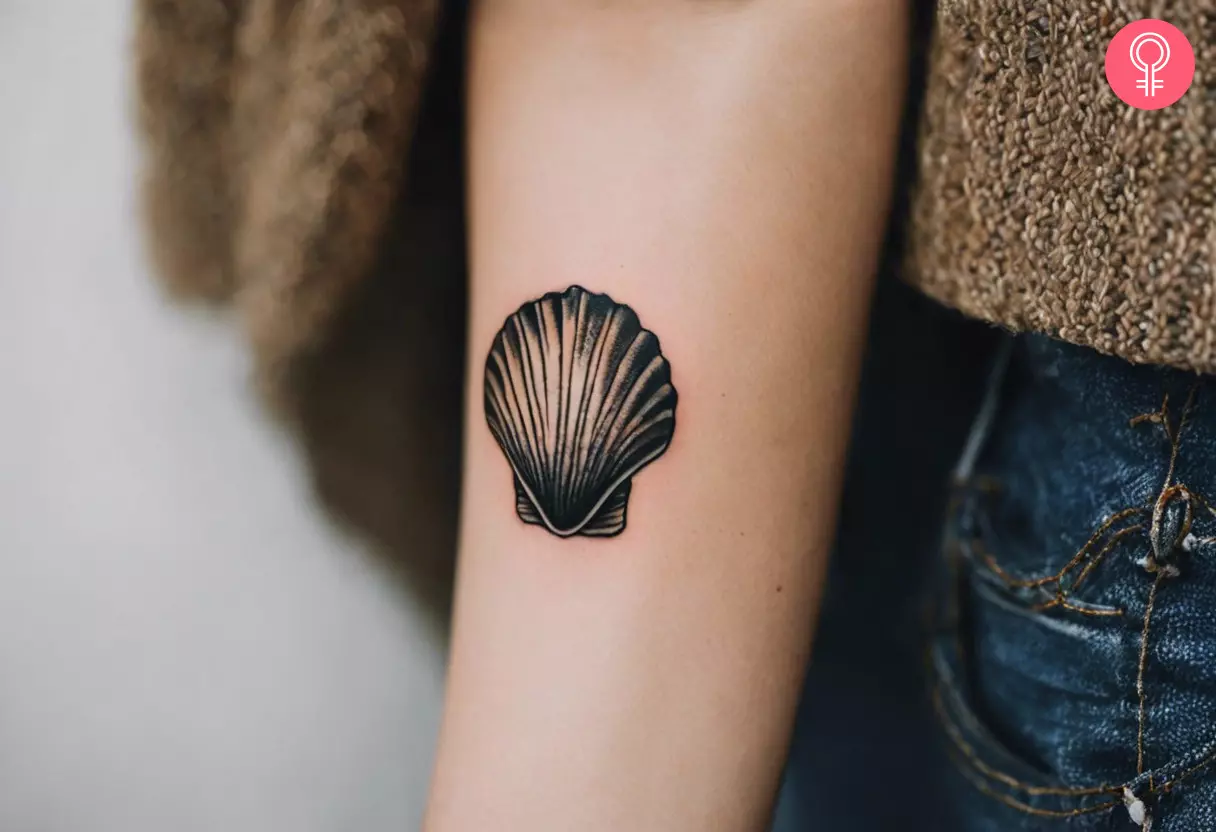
{"x": 1150, "y": 83}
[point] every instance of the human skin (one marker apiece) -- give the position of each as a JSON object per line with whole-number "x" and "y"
{"x": 722, "y": 167}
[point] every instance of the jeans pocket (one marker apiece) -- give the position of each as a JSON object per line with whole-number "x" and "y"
{"x": 1014, "y": 792}
{"x": 1011, "y": 677}
{"x": 1046, "y": 693}
{"x": 1076, "y": 653}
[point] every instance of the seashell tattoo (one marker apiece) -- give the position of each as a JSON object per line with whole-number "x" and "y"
{"x": 579, "y": 397}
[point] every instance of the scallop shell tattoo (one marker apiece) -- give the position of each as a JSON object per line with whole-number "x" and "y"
{"x": 579, "y": 397}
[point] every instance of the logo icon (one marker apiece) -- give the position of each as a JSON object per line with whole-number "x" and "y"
{"x": 1150, "y": 83}
{"x": 1149, "y": 64}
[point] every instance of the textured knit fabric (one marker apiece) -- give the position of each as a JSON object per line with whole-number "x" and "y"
{"x": 277, "y": 133}
{"x": 1045, "y": 203}
{"x": 302, "y": 165}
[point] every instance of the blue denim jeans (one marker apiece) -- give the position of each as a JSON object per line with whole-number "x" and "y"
{"x": 1071, "y": 673}
{"x": 1074, "y": 669}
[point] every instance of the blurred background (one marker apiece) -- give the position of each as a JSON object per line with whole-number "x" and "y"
{"x": 186, "y": 642}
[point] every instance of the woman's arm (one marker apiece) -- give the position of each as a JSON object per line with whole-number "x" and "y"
{"x": 722, "y": 167}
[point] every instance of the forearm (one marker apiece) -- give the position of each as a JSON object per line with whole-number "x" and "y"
{"x": 722, "y": 169}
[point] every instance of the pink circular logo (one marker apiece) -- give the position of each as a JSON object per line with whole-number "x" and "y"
{"x": 1149, "y": 64}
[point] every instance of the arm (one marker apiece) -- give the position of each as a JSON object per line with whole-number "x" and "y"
{"x": 723, "y": 168}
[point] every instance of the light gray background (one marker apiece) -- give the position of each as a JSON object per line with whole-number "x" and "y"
{"x": 185, "y": 642}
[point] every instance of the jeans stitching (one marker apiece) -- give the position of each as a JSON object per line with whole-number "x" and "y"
{"x": 954, "y": 733}
{"x": 1158, "y": 563}
{"x": 1061, "y": 596}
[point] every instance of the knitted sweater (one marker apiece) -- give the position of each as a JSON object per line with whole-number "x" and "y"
{"x": 1045, "y": 203}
